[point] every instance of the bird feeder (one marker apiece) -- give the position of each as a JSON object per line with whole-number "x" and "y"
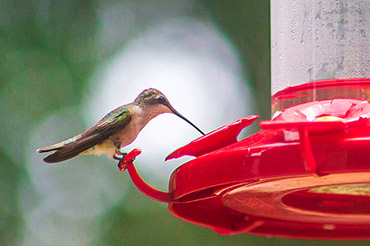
{"x": 306, "y": 173}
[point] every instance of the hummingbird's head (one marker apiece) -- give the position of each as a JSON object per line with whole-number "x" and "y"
{"x": 157, "y": 102}
{"x": 151, "y": 97}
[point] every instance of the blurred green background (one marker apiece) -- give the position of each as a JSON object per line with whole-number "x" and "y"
{"x": 50, "y": 52}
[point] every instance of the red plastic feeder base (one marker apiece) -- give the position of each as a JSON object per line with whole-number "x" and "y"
{"x": 296, "y": 178}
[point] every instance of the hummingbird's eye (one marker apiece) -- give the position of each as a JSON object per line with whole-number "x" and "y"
{"x": 162, "y": 100}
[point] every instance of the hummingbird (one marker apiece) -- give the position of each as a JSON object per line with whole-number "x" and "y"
{"x": 115, "y": 130}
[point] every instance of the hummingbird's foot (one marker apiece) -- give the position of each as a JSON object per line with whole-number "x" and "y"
{"x": 122, "y": 162}
{"x": 127, "y": 159}
{"x": 119, "y": 156}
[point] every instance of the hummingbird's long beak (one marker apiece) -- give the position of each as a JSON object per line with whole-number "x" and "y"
{"x": 182, "y": 117}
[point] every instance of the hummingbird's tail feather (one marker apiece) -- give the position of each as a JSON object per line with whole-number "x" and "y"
{"x": 53, "y": 147}
{"x": 59, "y": 145}
{"x": 60, "y": 155}
{"x": 71, "y": 147}
{"x": 62, "y": 151}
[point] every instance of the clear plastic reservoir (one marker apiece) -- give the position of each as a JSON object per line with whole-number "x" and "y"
{"x": 320, "y": 49}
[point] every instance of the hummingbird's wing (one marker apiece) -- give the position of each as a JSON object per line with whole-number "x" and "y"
{"x": 106, "y": 127}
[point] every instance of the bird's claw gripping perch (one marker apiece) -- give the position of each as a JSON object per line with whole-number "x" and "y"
{"x": 128, "y": 158}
